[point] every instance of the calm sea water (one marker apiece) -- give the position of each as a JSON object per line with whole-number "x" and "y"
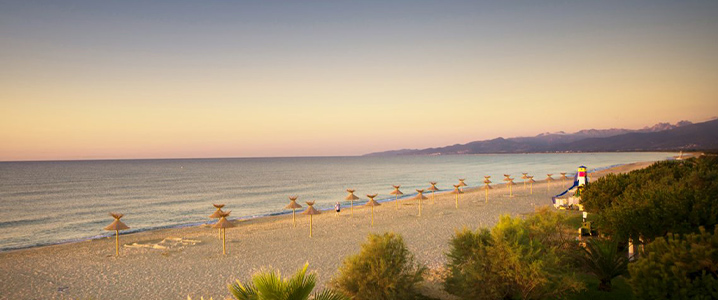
{"x": 53, "y": 202}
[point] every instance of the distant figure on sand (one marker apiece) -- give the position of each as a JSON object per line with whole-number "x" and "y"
{"x": 337, "y": 208}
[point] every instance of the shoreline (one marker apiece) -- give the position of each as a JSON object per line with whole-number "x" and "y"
{"x": 282, "y": 213}
{"x": 188, "y": 261}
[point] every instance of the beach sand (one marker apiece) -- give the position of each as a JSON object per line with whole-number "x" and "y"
{"x": 175, "y": 263}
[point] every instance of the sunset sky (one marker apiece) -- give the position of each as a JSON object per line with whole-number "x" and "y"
{"x": 166, "y": 79}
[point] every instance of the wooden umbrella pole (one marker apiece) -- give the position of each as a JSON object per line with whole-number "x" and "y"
{"x": 294, "y": 216}
{"x": 487, "y": 195}
{"x": 219, "y": 233}
{"x": 457, "y": 200}
{"x": 532, "y": 188}
{"x": 432, "y": 197}
{"x": 351, "y": 203}
{"x": 511, "y": 191}
{"x": 310, "y": 225}
{"x": 224, "y": 241}
{"x": 372, "y": 216}
{"x": 396, "y": 199}
{"x": 419, "y": 207}
{"x": 117, "y": 243}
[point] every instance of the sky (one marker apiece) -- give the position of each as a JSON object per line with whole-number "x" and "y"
{"x": 191, "y": 79}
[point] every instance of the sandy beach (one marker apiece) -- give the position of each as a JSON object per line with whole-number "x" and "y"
{"x": 175, "y": 263}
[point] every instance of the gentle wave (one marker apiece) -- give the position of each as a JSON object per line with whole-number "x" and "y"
{"x": 69, "y": 201}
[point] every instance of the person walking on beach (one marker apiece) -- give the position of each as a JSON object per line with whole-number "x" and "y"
{"x": 337, "y": 208}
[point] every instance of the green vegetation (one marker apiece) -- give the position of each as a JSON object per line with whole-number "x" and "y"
{"x": 269, "y": 285}
{"x": 384, "y": 269}
{"x": 671, "y": 207}
{"x": 620, "y": 289}
{"x": 602, "y": 259}
{"x": 678, "y": 267}
{"x": 669, "y": 196}
{"x": 517, "y": 259}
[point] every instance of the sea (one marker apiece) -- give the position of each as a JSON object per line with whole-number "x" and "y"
{"x": 52, "y": 202}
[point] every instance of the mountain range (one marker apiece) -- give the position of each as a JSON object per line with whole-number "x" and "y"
{"x": 684, "y": 135}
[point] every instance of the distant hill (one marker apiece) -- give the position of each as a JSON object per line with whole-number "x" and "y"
{"x": 661, "y": 137}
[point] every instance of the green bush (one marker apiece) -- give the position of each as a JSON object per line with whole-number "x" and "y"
{"x": 518, "y": 259}
{"x": 384, "y": 269}
{"x": 678, "y": 267}
{"x": 668, "y": 196}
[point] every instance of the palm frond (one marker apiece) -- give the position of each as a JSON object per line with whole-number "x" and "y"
{"x": 329, "y": 294}
{"x": 269, "y": 285}
{"x": 602, "y": 259}
{"x": 241, "y": 292}
{"x": 300, "y": 286}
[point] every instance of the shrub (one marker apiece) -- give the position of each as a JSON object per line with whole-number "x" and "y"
{"x": 518, "y": 259}
{"x": 678, "y": 267}
{"x": 269, "y": 285}
{"x": 472, "y": 273}
{"x": 669, "y": 196}
{"x": 384, "y": 269}
{"x": 602, "y": 259}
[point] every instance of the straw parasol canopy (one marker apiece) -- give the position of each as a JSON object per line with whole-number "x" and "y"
{"x": 510, "y": 183}
{"x": 371, "y": 203}
{"x": 563, "y": 176}
{"x": 216, "y": 215}
{"x": 432, "y": 189}
{"x": 311, "y": 211}
{"x": 531, "y": 183}
{"x": 293, "y": 206}
{"x": 396, "y": 192}
{"x": 462, "y": 183}
{"x": 116, "y": 226}
{"x": 351, "y": 197}
{"x": 524, "y": 176}
{"x": 487, "y": 187}
{"x": 223, "y": 224}
{"x": 548, "y": 181}
{"x": 420, "y": 196}
{"x": 457, "y": 190}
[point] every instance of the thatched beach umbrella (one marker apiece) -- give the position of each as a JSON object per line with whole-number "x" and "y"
{"x": 457, "y": 191}
{"x": 311, "y": 211}
{"x": 531, "y": 183}
{"x": 462, "y": 183}
{"x": 216, "y": 215}
{"x": 524, "y": 176}
{"x": 396, "y": 192}
{"x": 432, "y": 189}
{"x": 510, "y": 183}
{"x": 548, "y": 181}
{"x": 420, "y": 196}
{"x": 116, "y": 226}
{"x": 372, "y": 203}
{"x": 351, "y": 197}
{"x": 223, "y": 224}
{"x": 487, "y": 187}
{"x": 293, "y": 206}
{"x": 563, "y": 176}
